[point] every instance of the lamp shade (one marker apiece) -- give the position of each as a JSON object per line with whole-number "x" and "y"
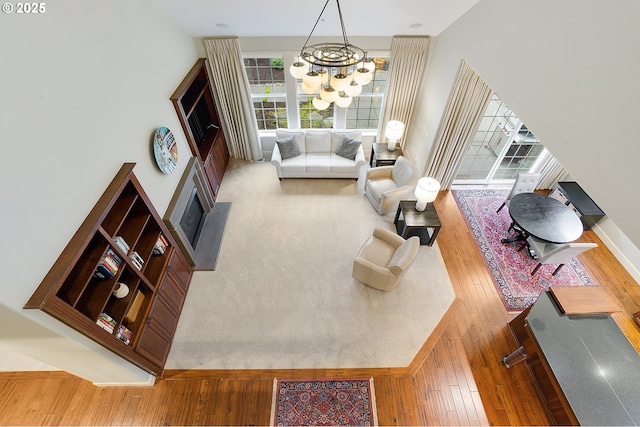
{"x": 426, "y": 191}
{"x": 394, "y": 130}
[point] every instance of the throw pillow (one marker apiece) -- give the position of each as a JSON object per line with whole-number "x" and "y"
{"x": 348, "y": 148}
{"x": 288, "y": 147}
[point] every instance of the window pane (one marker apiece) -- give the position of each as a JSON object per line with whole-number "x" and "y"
{"x": 270, "y": 113}
{"x": 364, "y": 112}
{"x": 311, "y": 118}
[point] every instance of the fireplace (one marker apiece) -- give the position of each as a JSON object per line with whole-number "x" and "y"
{"x": 189, "y": 215}
{"x": 193, "y": 218}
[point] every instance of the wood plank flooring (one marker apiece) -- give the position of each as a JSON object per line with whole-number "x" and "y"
{"x": 456, "y": 379}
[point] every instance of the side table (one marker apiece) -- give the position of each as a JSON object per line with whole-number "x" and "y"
{"x": 411, "y": 222}
{"x": 381, "y": 156}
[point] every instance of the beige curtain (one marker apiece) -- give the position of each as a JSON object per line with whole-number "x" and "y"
{"x": 460, "y": 121}
{"x": 551, "y": 171}
{"x": 233, "y": 95}
{"x": 407, "y": 63}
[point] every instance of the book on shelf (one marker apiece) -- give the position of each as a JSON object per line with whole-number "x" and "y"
{"x": 122, "y": 244}
{"x": 161, "y": 245}
{"x": 106, "y": 322}
{"x": 136, "y": 259}
{"x": 108, "y": 265}
{"x": 124, "y": 334}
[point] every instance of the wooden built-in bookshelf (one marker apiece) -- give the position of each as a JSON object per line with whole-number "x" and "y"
{"x": 79, "y": 288}
{"x": 196, "y": 108}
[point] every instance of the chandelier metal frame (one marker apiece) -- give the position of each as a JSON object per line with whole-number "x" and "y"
{"x": 332, "y": 55}
{"x": 350, "y": 64}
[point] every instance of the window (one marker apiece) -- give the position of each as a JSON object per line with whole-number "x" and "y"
{"x": 501, "y": 148}
{"x": 364, "y": 111}
{"x": 267, "y": 82}
{"x": 274, "y": 92}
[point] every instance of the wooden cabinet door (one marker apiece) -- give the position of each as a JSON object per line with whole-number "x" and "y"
{"x": 157, "y": 335}
{"x": 210, "y": 171}
{"x": 155, "y": 340}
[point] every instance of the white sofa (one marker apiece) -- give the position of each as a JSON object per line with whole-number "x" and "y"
{"x": 318, "y": 158}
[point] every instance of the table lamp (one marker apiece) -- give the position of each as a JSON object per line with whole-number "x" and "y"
{"x": 426, "y": 191}
{"x": 393, "y": 132}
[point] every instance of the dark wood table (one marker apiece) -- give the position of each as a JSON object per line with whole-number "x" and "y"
{"x": 544, "y": 218}
{"x": 411, "y": 222}
{"x": 381, "y": 156}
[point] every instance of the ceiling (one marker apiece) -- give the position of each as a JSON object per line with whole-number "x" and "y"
{"x": 259, "y": 18}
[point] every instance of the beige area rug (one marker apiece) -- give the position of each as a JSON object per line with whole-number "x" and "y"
{"x": 282, "y": 295}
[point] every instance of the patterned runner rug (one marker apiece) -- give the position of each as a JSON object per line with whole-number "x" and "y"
{"x": 325, "y": 402}
{"x": 510, "y": 268}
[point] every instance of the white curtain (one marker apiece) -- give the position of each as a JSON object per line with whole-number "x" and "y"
{"x": 467, "y": 104}
{"x": 233, "y": 94}
{"x": 407, "y": 63}
{"x": 551, "y": 171}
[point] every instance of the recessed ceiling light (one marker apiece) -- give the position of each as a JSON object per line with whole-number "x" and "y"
{"x": 416, "y": 25}
{"x": 222, "y": 25}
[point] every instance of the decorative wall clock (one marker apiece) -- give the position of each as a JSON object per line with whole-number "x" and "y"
{"x": 165, "y": 150}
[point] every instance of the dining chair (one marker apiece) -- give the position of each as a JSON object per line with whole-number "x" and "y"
{"x": 525, "y": 183}
{"x": 554, "y": 253}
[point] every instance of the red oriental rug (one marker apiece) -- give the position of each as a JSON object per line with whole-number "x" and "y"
{"x": 510, "y": 268}
{"x": 324, "y": 402}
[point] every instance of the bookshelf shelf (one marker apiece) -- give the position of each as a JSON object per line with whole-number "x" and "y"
{"x": 79, "y": 288}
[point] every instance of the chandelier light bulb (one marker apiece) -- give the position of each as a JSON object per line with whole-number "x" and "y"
{"x": 362, "y": 76}
{"x": 329, "y": 94}
{"x": 340, "y": 81}
{"x": 354, "y": 89}
{"x": 369, "y": 64}
{"x": 309, "y": 89}
{"x": 343, "y": 100}
{"x": 299, "y": 69}
{"x": 320, "y": 104}
{"x": 312, "y": 79}
{"x": 324, "y": 74}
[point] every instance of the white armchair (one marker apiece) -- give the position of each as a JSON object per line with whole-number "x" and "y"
{"x": 384, "y": 258}
{"x": 552, "y": 253}
{"x": 385, "y": 186}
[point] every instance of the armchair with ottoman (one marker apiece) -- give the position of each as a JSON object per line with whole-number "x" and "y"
{"x": 384, "y": 258}
{"x": 318, "y": 153}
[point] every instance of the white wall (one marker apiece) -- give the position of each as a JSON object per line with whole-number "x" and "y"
{"x": 569, "y": 69}
{"x": 83, "y": 87}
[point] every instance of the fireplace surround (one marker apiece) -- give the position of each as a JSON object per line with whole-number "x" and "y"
{"x": 195, "y": 219}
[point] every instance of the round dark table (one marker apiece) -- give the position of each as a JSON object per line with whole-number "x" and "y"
{"x": 545, "y": 218}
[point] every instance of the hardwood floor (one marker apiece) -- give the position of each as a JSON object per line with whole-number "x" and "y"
{"x": 456, "y": 379}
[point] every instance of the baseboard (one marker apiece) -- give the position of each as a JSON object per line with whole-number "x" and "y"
{"x": 617, "y": 252}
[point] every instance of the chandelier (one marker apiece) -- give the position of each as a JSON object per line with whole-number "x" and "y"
{"x": 333, "y": 72}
